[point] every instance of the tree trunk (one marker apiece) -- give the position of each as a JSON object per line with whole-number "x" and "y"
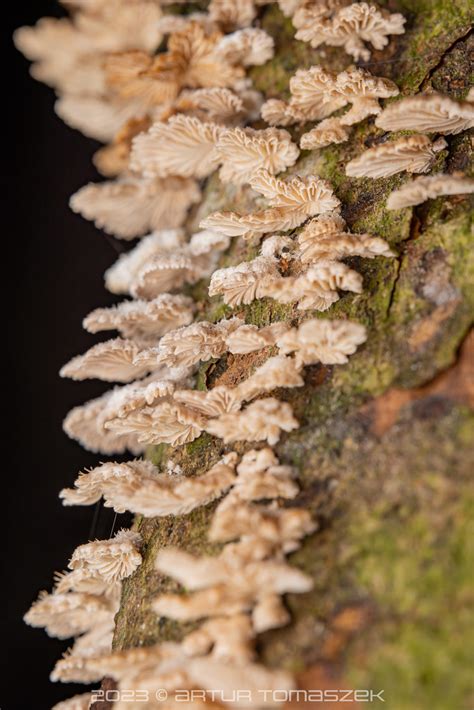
{"x": 382, "y": 448}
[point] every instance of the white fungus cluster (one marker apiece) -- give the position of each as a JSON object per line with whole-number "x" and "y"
{"x": 170, "y": 118}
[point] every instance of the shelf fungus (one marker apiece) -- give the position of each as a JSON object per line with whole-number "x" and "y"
{"x": 162, "y": 262}
{"x": 112, "y": 361}
{"x": 250, "y": 46}
{"x": 133, "y": 206}
{"x": 351, "y": 26}
{"x": 260, "y": 476}
{"x": 263, "y": 420}
{"x": 429, "y": 188}
{"x": 86, "y": 424}
{"x": 169, "y": 423}
{"x": 325, "y": 238}
{"x": 143, "y": 321}
{"x": 208, "y": 578}
{"x": 277, "y": 371}
{"x": 271, "y": 529}
{"x": 227, "y": 638}
{"x": 112, "y": 559}
{"x": 154, "y": 494}
{"x": 317, "y": 93}
{"x": 243, "y": 283}
{"x": 210, "y": 403}
{"x": 292, "y": 202}
{"x": 317, "y": 287}
{"x": 248, "y": 338}
{"x": 89, "y": 486}
{"x": 244, "y": 151}
{"x": 231, "y": 14}
{"x": 428, "y": 113}
{"x": 189, "y": 345}
{"x": 112, "y": 159}
{"x": 214, "y": 105}
{"x": 327, "y": 132}
{"x": 69, "y": 614}
{"x": 327, "y": 341}
{"x": 183, "y": 146}
{"x": 414, "y": 154}
{"x": 121, "y": 276}
{"x": 67, "y": 53}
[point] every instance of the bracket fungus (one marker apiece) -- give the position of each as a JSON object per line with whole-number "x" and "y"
{"x": 292, "y": 201}
{"x": 428, "y": 113}
{"x": 316, "y": 93}
{"x": 330, "y": 22}
{"x": 142, "y": 321}
{"x": 112, "y": 361}
{"x": 264, "y": 420}
{"x": 112, "y": 559}
{"x": 414, "y": 154}
{"x": 132, "y": 206}
{"x": 429, "y": 188}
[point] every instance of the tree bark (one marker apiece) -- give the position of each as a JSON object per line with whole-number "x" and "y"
{"x": 382, "y": 448}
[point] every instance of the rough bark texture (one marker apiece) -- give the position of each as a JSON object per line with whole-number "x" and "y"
{"x": 382, "y": 449}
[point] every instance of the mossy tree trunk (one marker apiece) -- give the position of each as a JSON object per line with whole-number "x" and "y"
{"x": 382, "y": 448}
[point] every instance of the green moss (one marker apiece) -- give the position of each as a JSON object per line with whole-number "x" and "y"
{"x": 418, "y": 570}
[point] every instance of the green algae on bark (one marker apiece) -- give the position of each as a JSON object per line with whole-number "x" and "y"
{"x": 391, "y": 502}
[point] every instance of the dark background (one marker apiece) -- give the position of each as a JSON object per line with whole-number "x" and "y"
{"x": 53, "y": 261}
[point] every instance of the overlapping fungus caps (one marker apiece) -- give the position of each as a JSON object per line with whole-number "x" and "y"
{"x": 171, "y": 118}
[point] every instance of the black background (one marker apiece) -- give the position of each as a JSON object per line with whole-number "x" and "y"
{"x": 53, "y": 262}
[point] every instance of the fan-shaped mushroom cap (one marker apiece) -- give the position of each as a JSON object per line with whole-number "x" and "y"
{"x": 186, "y": 346}
{"x": 120, "y": 277}
{"x": 142, "y": 321}
{"x": 243, "y": 151}
{"x": 113, "y": 559}
{"x": 415, "y": 154}
{"x": 242, "y": 283}
{"x": 277, "y": 371}
{"x": 429, "y": 188}
{"x": 248, "y": 47}
{"x": 324, "y": 238}
{"x": 159, "y": 494}
{"x": 216, "y": 104}
{"x": 261, "y": 421}
{"x": 293, "y": 200}
{"x": 168, "y": 423}
{"x": 347, "y": 27}
{"x": 90, "y": 485}
{"x": 85, "y": 424}
{"x": 112, "y": 361}
{"x": 326, "y": 341}
{"x": 184, "y": 146}
{"x": 232, "y": 14}
{"x": 230, "y": 639}
{"x": 325, "y": 133}
{"x": 281, "y": 528}
{"x": 429, "y": 113}
{"x": 316, "y": 288}
{"x": 131, "y": 206}
{"x": 210, "y": 403}
{"x": 248, "y": 338}
{"x": 66, "y": 615}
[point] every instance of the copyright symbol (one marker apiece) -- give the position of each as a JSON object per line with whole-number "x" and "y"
{"x": 161, "y": 694}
